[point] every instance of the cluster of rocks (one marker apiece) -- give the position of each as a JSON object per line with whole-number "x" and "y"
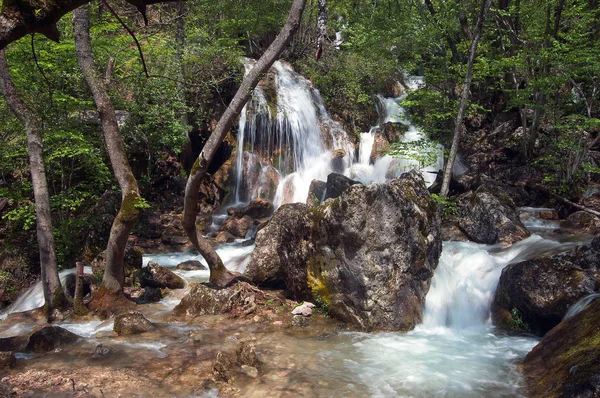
{"x": 244, "y": 220}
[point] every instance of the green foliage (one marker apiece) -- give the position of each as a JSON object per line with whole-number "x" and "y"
{"x": 421, "y": 153}
{"x": 447, "y": 206}
{"x": 516, "y": 321}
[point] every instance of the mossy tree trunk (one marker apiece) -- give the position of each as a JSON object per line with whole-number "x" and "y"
{"x": 219, "y": 275}
{"x": 114, "y": 276}
{"x": 53, "y": 292}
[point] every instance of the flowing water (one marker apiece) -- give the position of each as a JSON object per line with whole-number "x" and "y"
{"x": 286, "y": 139}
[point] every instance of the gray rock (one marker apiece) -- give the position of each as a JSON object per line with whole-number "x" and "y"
{"x": 535, "y": 295}
{"x": 336, "y": 184}
{"x": 489, "y": 215}
{"x": 132, "y": 322}
{"x": 203, "y": 300}
{"x": 191, "y": 265}
{"x": 157, "y": 276}
{"x": 372, "y": 249}
{"x": 258, "y": 208}
{"x": 305, "y": 309}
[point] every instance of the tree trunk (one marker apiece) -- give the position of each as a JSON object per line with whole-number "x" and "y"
{"x": 322, "y": 28}
{"x": 219, "y": 275}
{"x": 53, "y": 292}
{"x": 485, "y": 7}
{"x": 114, "y": 275}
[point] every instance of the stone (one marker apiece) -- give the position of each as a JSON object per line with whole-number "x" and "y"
{"x": 191, "y": 265}
{"x": 565, "y": 362}
{"x": 132, "y": 322}
{"x": 316, "y": 193}
{"x": 238, "y": 227}
{"x": 393, "y": 131}
{"x": 534, "y": 295}
{"x": 371, "y": 249}
{"x": 7, "y": 360}
{"x": 101, "y": 351}
{"x": 224, "y": 237}
{"x": 157, "y": 276}
{"x": 380, "y": 147}
{"x": 203, "y": 300}
{"x": 549, "y": 215}
{"x": 581, "y": 222}
{"x": 337, "y": 160}
{"x": 243, "y": 360}
{"x": 258, "y": 208}
{"x": 305, "y": 309}
{"x": 47, "y": 338}
{"x": 336, "y": 184}
{"x": 489, "y": 215}
{"x": 452, "y": 233}
{"x": 150, "y": 295}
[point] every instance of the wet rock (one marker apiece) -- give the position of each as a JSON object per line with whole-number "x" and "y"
{"x": 373, "y": 248}
{"x": 300, "y": 322}
{"x": 565, "y": 363}
{"x": 157, "y": 276}
{"x": 191, "y": 265}
{"x": 489, "y": 215}
{"x": 7, "y": 360}
{"x": 336, "y": 184}
{"x": 393, "y": 131}
{"x": 47, "y": 338}
{"x": 534, "y": 295}
{"x": 238, "y": 227}
{"x": 337, "y": 160}
{"x": 204, "y": 300}
{"x": 132, "y": 322}
{"x": 224, "y": 237}
{"x": 228, "y": 363}
{"x": 150, "y": 295}
{"x": 266, "y": 266}
{"x": 258, "y": 208}
{"x": 380, "y": 147}
{"x": 316, "y": 193}
{"x": 549, "y": 215}
{"x": 101, "y": 351}
{"x": 451, "y": 232}
{"x": 581, "y": 222}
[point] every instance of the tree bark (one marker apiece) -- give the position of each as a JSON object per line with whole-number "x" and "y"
{"x": 53, "y": 292}
{"x": 321, "y": 27}
{"x": 485, "y": 7}
{"x": 219, "y": 275}
{"x": 114, "y": 275}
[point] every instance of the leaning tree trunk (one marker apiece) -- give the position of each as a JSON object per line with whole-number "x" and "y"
{"x": 114, "y": 276}
{"x": 219, "y": 275}
{"x": 53, "y": 292}
{"x": 485, "y": 7}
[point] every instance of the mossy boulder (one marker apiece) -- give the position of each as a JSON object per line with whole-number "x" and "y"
{"x": 157, "y": 276}
{"x": 489, "y": 215}
{"x": 204, "y": 300}
{"x": 534, "y": 295}
{"x": 132, "y": 322}
{"x": 566, "y": 362}
{"x": 368, "y": 255}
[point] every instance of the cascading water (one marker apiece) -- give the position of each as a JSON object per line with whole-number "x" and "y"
{"x": 281, "y": 130}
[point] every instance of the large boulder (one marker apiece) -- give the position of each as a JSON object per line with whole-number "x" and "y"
{"x": 581, "y": 222}
{"x": 489, "y": 215}
{"x": 565, "y": 363}
{"x": 368, "y": 255}
{"x": 157, "y": 276}
{"x": 237, "y": 227}
{"x": 534, "y": 295}
{"x": 336, "y": 184}
{"x": 132, "y": 322}
{"x": 47, "y": 338}
{"x": 204, "y": 300}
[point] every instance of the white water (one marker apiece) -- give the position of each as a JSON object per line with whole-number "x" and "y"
{"x": 34, "y": 297}
{"x": 294, "y": 134}
{"x": 580, "y": 305}
{"x": 455, "y": 352}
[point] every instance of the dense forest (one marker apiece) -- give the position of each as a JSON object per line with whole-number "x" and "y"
{"x": 135, "y": 129}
